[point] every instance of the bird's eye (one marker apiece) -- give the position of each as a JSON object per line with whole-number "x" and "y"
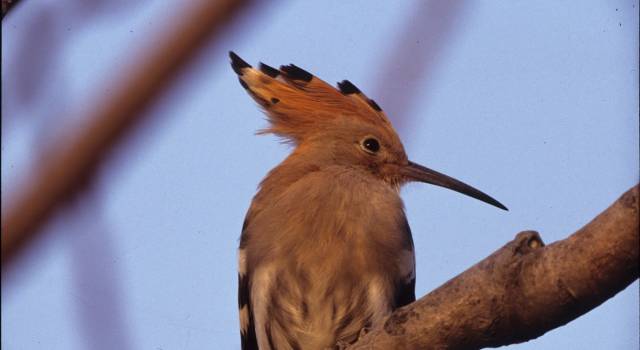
{"x": 371, "y": 145}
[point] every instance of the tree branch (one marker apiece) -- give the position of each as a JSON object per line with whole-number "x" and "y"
{"x": 522, "y": 290}
{"x": 7, "y": 5}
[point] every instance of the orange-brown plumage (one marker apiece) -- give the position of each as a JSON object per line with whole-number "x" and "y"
{"x": 326, "y": 249}
{"x": 297, "y": 102}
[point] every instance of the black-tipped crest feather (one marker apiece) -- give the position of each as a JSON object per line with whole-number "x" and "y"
{"x": 347, "y": 88}
{"x": 374, "y": 105}
{"x": 296, "y": 73}
{"x": 268, "y": 70}
{"x": 237, "y": 63}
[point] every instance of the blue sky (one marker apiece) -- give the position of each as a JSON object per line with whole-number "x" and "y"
{"x": 535, "y": 103}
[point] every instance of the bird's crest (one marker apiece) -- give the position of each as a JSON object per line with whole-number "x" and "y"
{"x": 295, "y": 101}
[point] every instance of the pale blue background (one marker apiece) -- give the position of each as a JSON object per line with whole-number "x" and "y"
{"x": 535, "y": 103}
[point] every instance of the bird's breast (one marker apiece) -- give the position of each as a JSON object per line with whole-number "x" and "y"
{"x": 327, "y": 252}
{"x": 333, "y": 213}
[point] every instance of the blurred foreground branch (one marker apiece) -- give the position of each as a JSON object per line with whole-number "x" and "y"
{"x": 66, "y": 170}
{"x": 7, "y": 5}
{"x": 522, "y": 290}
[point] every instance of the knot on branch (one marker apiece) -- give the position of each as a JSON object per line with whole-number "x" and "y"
{"x": 527, "y": 241}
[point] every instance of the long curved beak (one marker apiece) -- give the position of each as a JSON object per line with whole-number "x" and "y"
{"x": 417, "y": 172}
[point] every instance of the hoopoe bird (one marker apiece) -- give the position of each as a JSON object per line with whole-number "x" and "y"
{"x": 326, "y": 250}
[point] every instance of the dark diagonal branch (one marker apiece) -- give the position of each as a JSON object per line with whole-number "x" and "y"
{"x": 7, "y": 5}
{"x": 64, "y": 169}
{"x": 414, "y": 55}
{"x": 523, "y": 290}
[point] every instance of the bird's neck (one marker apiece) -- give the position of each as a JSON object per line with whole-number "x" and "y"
{"x": 296, "y": 166}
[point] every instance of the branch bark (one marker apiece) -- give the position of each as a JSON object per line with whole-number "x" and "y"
{"x": 522, "y": 290}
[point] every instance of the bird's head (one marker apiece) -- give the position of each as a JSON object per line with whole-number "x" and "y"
{"x": 337, "y": 126}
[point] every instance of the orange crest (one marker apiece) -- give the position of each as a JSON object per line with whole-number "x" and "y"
{"x": 295, "y": 100}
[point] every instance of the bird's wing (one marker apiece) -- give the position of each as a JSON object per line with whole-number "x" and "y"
{"x": 247, "y": 325}
{"x": 405, "y": 292}
{"x": 295, "y": 100}
{"x": 405, "y": 287}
